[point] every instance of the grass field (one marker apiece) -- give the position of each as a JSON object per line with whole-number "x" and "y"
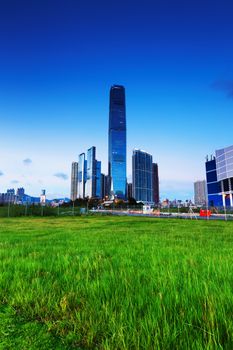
{"x": 115, "y": 283}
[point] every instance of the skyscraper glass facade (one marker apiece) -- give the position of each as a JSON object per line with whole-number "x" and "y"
{"x": 213, "y": 185}
{"x": 117, "y": 142}
{"x": 82, "y": 163}
{"x": 219, "y": 176}
{"x": 74, "y": 181}
{"x": 155, "y": 182}
{"x": 98, "y": 192}
{"x": 102, "y": 186}
{"x": 129, "y": 191}
{"x": 86, "y": 176}
{"x": 91, "y": 173}
{"x": 142, "y": 176}
{"x": 224, "y": 163}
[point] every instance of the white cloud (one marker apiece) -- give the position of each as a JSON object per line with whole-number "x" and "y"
{"x": 61, "y": 176}
{"x": 27, "y": 161}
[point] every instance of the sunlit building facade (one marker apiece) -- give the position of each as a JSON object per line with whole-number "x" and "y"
{"x": 224, "y": 166}
{"x": 200, "y": 193}
{"x": 82, "y": 164}
{"x": 219, "y": 177}
{"x": 117, "y": 142}
{"x": 74, "y": 181}
{"x": 86, "y": 176}
{"x": 91, "y": 173}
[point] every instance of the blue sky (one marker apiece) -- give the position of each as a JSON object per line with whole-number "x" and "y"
{"x": 58, "y": 60}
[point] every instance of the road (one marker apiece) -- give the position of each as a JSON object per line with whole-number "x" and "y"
{"x": 191, "y": 216}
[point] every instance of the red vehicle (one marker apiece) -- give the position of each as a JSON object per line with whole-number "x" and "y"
{"x": 205, "y": 213}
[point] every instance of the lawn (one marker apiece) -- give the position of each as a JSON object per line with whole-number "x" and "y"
{"x": 115, "y": 283}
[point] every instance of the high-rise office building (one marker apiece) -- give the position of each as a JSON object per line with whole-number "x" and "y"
{"x": 219, "y": 176}
{"x": 224, "y": 167}
{"x": 98, "y": 188}
{"x": 102, "y": 186}
{"x": 74, "y": 181}
{"x": 200, "y": 192}
{"x": 129, "y": 190}
{"x": 82, "y": 165}
{"x": 91, "y": 173}
{"x": 155, "y": 183}
{"x": 142, "y": 176}
{"x": 86, "y": 176}
{"x": 213, "y": 185}
{"x": 93, "y": 178}
{"x": 117, "y": 142}
{"x": 107, "y": 185}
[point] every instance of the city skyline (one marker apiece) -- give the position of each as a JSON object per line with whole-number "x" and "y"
{"x": 27, "y": 162}
{"x": 58, "y": 62}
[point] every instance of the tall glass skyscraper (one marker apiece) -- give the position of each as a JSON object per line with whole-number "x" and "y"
{"x": 82, "y": 166}
{"x": 155, "y": 182}
{"x": 142, "y": 176}
{"x": 98, "y": 191}
{"x": 117, "y": 142}
{"x": 86, "y": 176}
{"x": 74, "y": 181}
{"x": 91, "y": 173}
